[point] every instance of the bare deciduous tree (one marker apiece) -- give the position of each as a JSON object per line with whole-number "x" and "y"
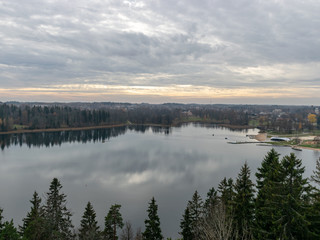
{"x": 127, "y": 232}
{"x": 217, "y": 225}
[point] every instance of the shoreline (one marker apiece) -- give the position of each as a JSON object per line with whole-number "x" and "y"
{"x": 21, "y": 131}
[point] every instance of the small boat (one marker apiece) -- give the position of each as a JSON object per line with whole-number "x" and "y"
{"x": 226, "y": 138}
{"x": 297, "y": 149}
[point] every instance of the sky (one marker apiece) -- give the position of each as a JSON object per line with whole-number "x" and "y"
{"x": 157, "y": 51}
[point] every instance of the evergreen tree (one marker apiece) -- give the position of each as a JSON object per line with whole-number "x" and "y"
{"x": 226, "y": 190}
{"x": 269, "y": 180}
{"x": 314, "y": 213}
{"x": 113, "y": 221}
{"x": 56, "y": 214}
{"x": 292, "y": 222}
{"x": 185, "y": 225}
{"x": 89, "y": 229}
{"x": 1, "y": 217}
{"x": 244, "y": 203}
{"x": 196, "y": 212}
{"x": 33, "y": 225}
{"x": 9, "y": 232}
{"x": 316, "y": 174}
{"x": 152, "y": 224}
{"x": 211, "y": 200}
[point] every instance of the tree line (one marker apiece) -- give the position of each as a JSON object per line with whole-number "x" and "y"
{"x": 282, "y": 204}
{"x": 13, "y": 117}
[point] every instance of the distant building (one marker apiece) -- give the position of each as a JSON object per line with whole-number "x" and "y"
{"x": 316, "y": 111}
{"x": 187, "y": 113}
{"x": 280, "y": 139}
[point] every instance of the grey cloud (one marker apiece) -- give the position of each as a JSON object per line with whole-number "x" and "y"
{"x": 196, "y": 42}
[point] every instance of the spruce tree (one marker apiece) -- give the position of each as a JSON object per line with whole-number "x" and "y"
{"x": 113, "y": 221}
{"x": 226, "y": 190}
{"x": 196, "y": 213}
{"x": 34, "y": 225}
{"x": 314, "y": 213}
{"x": 9, "y": 232}
{"x": 89, "y": 229}
{"x": 292, "y": 223}
{"x": 211, "y": 200}
{"x": 244, "y": 203}
{"x": 269, "y": 180}
{"x": 185, "y": 225}
{"x": 56, "y": 214}
{"x": 316, "y": 173}
{"x": 152, "y": 224}
{"x": 1, "y": 218}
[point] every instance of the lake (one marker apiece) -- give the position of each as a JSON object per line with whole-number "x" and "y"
{"x": 128, "y": 166}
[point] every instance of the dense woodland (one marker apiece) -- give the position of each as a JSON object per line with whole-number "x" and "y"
{"x": 285, "y": 119}
{"x": 281, "y": 205}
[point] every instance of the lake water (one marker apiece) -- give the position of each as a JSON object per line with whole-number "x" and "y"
{"x": 127, "y": 166}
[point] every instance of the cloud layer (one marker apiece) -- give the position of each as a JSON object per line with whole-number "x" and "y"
{"x": 75, "y": 50}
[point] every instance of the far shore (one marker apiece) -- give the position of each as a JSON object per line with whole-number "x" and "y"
{"x": 19, "y": 131}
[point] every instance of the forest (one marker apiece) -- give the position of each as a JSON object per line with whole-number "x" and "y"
{"x": 29, "y": 116}
{"x": 281, "y": 204}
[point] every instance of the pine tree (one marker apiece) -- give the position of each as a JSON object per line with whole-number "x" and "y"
{"x": 89, "y": 229}
{"x": 33, "y": 225}
{"x": 226, "y": 190}
{"x": 185, "y": 225}
{"x": 211, "y": 200}
{"x": 113, "y": 221}
{"x": 56, "y": 214}
{"x": 244, "y": 203}
{"x": 314, "y": 213}
{"x": 269, "y": 180}
{"x": 316, "y": 174}
{"x": 292, "y": 222}
{"x": 1, "y": 218}
{"x": 196, "y": 212}
{"x": 152, "y": 224}
{"x": 9, "y": 232}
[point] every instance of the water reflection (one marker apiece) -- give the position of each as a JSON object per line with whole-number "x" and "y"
{"x": 49, "y": 139}
{"x": 135, "y": 163}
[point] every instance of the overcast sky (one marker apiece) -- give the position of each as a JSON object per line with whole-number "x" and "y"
{"x": 214, "y": 51}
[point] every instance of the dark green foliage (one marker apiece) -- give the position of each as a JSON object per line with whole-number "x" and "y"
{"x": 292, "y": 206}
{"x": 1, "y": 218}
{"x": 314, "y": 213}
{"x": 211, "y": 200}
{"x": 269, "y": 182}
{"x": 316, "y": 174}
{"x": 186, "y": 226}
{"x": 89, "y": 229}
{"x": 57, "y": 216}
{"x": 34, "y": 224}
{"x": 244, "y": 202}
{"x": 113, "y": 221}
{"x": 226, "y": 191}
{"x": 152, "y": 223}
{"x": 196, "y": 212}
{"x": 9, "y": 232}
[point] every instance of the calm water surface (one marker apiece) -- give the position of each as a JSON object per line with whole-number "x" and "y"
{"x": 128, "y": 167}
